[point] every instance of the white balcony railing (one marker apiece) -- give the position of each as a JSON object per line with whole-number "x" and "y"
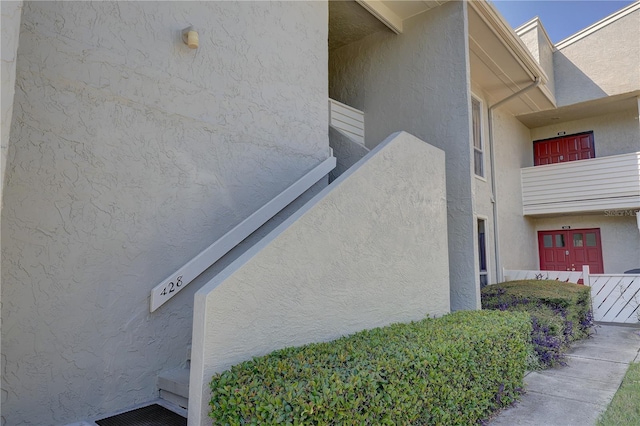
{"x": 347, "y": 120}
{"x": 605, "y": 183}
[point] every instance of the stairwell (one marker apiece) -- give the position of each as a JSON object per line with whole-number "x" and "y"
{"x": 173, "y": 385}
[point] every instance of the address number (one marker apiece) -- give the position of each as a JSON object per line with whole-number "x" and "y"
{"x": 172, "y": 287}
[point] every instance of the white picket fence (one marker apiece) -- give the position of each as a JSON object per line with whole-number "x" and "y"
{"x": 564, "y": 276}
{"x": 615, "y": 297}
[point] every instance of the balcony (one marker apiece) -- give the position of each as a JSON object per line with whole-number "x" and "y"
{"x": 605, "y": 183}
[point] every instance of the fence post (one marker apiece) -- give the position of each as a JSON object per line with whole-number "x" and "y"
{"x": 585, "y": 275}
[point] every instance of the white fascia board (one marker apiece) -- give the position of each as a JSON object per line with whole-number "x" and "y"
{"x": 509, "y": 38}
{"x": 383, "y": 13}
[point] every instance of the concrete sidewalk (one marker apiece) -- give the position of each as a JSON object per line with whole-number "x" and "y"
{"x": 578, "y": 393}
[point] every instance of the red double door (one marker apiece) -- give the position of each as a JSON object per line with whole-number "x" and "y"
{"x": 569, "y": 250}
{"x": 563, "y": 149}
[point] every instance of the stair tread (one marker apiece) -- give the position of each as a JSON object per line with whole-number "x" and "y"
{"x": 175, "y": 381}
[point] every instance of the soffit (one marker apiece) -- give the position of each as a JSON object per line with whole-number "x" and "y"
{"x": 593, "y": 108}
{"x": 501, "y": 67}
{"x": 350, "y": 22}
{"x": 407, "y": 9}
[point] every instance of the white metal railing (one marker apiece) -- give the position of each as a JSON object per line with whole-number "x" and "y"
{"x": 580, "y": 186}
{"x": 183, "y": 276}
{"x": 347, "y": 120}
{"x": 614, "y": 297}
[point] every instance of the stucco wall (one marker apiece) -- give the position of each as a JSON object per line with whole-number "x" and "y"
{"x": 545, "y": 59}
{"x": 129, "y": 154}
{"x": 518, "y": 249}
{"x": 418, "y": 81}
{"x": 367, "y": 251}
{"x": 530, "y": 39}
{"x": 512, "y": 143}
{"x": 537, "y": 41}
{"x": 619, "y": 235}
{"x": 11, "y": 12}
{"x": 604, "y": 63}
{"x": 481, "y": 190}
{"x": 614, "y": 133}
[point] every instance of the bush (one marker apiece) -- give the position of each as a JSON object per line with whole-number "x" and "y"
{"x": 456, "y": 369}
{"x": 560, "y": 314}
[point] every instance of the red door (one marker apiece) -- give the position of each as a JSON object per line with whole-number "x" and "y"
{"x": 562, "y": 149}
{"x": 569, "y": 250}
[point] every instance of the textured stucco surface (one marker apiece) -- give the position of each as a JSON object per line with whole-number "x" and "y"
{"x": 604, "y": 63}
{"x": 613, "y": 134}
{"x": 129, "y": 154}
{"x": 11, "y": 12}
{"x": 349, "y": 22}
{"x": 346, "y": 151}
{"x": 512, "y": 143}
{"x": 619, "y": 235}
{"x": 530, "y": 39}
{"x": 545, "y": 59}
{"x": 481, "y": 190}
{"x": 542, "y": 51}
{"x": 418, "y": 81}
{"x": 518, "y": 244}
{"x": 369, "y": 250}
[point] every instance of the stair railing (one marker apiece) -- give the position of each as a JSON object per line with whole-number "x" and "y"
{"x": 175, "y": 282}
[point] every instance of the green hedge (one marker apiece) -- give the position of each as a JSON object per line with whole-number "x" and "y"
{"x": 456, "y": 369}
{"x": 560, "y": 314}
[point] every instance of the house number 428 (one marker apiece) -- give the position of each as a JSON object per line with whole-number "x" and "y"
{"x": 171, "y": 287}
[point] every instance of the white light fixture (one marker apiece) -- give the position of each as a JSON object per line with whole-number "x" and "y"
{"x": 190, "y": 38}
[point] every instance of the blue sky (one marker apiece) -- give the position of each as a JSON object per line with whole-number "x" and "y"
{"x": 560, "y": 18}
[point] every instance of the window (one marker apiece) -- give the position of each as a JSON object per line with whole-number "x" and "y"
{"x": 478, "y": 156}
{"x": 482, "y": 253}
{"x": 577, "y": 240}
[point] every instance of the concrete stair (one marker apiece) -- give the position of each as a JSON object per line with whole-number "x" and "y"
{"x": 174, "y": 384}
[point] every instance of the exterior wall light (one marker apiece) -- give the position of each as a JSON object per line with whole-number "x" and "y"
{"x": 190, "y": 37}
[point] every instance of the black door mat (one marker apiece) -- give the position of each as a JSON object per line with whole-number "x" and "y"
{"x": 151, "y": 415}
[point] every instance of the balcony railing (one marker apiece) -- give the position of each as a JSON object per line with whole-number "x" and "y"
{"x": 605, "y": 183}
{"x": 347, "y": 120}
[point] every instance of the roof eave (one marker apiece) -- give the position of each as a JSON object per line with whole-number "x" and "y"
{"x": 511, "y": 41}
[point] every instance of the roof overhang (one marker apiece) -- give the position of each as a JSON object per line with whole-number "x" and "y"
{"x": 593, "y": 108}
{"x": 393, "y": 13}
{"x": 501, "y": 64}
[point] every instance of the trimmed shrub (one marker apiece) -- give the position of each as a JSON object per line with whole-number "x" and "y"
{"x": 456, "y": 369}
{"x": 560, "y": 314}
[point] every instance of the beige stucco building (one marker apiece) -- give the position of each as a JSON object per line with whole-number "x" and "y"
{"x": 309, "y": 170}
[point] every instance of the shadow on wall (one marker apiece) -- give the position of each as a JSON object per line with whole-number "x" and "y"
{"x": 573, "y": 85}
{"x": 346, "y": 151}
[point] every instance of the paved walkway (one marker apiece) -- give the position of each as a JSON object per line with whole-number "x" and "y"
{"x": 578, "y": 393}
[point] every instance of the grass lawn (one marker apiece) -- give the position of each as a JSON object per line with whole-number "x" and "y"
{"x": 625, "y": 407}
